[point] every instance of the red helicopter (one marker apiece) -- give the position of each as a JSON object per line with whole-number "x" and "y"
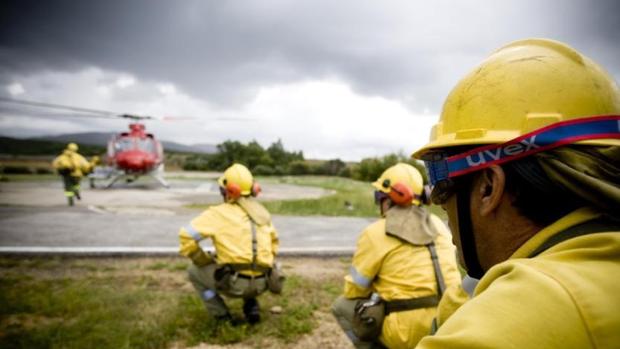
{"x": 129, "y": 154}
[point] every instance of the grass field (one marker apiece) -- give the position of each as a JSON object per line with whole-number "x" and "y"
{"x": 148, "y": 303}
{"x": 351, "y": 198}
{"x": 358, "y": 195}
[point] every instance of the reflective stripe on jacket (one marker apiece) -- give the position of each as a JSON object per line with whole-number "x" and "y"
{"x": 566, "y": 297}
{"x": 399, "y": 270}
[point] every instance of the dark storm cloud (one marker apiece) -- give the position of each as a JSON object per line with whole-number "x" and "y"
{"x": 223, "y": 51}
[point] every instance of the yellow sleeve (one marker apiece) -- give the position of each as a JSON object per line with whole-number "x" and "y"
{"x": 83, "y": 164}
{"x": 365, "y": 266}
{"x": 275, "y": 241}
{"x": 201, "y": 227}
{"x": 59, "y": 162}
{"x": 522, "y": 308}
{"x": 454, "y": 297}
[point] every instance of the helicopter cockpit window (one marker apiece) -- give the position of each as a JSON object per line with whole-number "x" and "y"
{"x": 146, "y": 144}
{"x": 123, "y": 144}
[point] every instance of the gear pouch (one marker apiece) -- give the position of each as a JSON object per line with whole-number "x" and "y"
{"x": 275, "y": 279}
{"x": 222, "y": 276}
{"x": 368, "y": 318}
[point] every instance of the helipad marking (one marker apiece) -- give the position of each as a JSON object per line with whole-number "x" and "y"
{"x": 166, "y": 251}
{"x": 96, "y": 209}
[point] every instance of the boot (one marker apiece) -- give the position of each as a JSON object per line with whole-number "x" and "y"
{"x": 70, "y": 200}
{"x": 77, "y": 195}
{"x": 251, "y": 309}
{"x": 227, "y": 318}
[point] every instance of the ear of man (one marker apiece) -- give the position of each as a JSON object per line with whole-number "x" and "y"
{"x": 491, "y": 187}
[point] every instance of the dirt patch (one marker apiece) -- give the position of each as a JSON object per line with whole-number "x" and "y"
{"x": 315, "y": 268}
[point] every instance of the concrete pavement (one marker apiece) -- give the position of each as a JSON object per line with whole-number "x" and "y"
{"x": 135, "y": 220}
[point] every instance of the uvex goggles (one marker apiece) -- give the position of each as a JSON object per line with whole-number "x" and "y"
{"x": 442, "y": 168}
{"x": 380, "y": 196}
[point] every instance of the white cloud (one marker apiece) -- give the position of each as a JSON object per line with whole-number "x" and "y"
{"x": 166, "y": 89}
{"x": 125, "y": 81}
{"x": 15, "y": 89}
{"x": 325, "y": 119}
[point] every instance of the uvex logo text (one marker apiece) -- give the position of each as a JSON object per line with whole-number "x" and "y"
{"x": 499, "y": 153}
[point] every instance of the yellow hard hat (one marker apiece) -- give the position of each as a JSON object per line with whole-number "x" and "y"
{"x": 237, "y": 181}
{"x": 524, "y": 86}
{"x": 402, "y": 182}
{"x": 72, "y": 147}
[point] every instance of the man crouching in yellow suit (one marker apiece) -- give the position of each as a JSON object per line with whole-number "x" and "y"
{"x": 402, "y": 265}
{"x": 245, "y": 243}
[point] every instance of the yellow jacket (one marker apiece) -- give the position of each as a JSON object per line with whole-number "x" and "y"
{"x": 229, "y": 226}
{"x": 70, "y": 160}
{"x": 399, "y": 270}
{"x": 566, "y": 297}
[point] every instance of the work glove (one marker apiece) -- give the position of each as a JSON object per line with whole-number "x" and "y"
{"x": 200, "y": 258}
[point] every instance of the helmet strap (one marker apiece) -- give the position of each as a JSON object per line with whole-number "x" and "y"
{"x": 466, "y": 233}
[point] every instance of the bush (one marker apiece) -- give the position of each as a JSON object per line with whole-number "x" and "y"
{"x": 333, "y": 167}
{"x": 345, "y": 172}
{"x": 369, "y": 169}
{"x": 263, "y": 170}
{"x": 42, "y": 170}
{"x": 253, "y": 155}
{"x": 297, "y": 168}
{"x": 279, "y": 170}
{"x": 11, "y": 169}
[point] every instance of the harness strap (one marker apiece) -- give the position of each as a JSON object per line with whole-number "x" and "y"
{"x": 599, "y": 225}
{"x": 254, "y": 243}
{"x": 441, "y": 284}
{"x": 397, "y": 305}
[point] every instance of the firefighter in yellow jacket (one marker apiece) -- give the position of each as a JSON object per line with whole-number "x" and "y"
{"x": 525, "y": 159}
{"x": 401, "y": 266}
{"x": 72, "y": 167}
{"x": 245, "y": 242}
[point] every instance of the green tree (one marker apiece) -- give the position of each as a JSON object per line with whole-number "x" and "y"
{"x": 333, "y": 167}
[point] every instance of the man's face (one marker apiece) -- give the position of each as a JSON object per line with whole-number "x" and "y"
{"x": 450, "y": 206}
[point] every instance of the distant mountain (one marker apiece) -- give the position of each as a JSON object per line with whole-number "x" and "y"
{"x": 205, "y": 148}
{"x": 102, "y": 138}
{"x": 91, "y": 138}
{"x": 195, "y": 148}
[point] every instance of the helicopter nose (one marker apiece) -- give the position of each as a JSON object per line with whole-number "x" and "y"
{"x": 134, "y": 163}
{"x": 131, "y": 162}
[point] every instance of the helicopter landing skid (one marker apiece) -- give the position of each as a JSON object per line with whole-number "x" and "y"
{"x": 161, "y": 180}
{"x": 112, "y": 176}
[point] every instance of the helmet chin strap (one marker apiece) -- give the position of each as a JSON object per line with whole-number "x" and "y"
{"x": 466, "y": 234}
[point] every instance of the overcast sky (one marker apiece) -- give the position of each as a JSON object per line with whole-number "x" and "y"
{"x": 347, "y": 79}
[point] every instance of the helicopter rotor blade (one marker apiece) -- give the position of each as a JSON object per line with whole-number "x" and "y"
{"x": 97, "y": 113}
{"x": 109, "y": 114}
{"x": 136, "y": 117}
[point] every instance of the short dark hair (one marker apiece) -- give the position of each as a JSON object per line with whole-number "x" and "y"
{"x": 537, "y": 197}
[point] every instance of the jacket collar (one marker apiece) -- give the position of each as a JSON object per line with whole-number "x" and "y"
{"x": 576, "y": 217}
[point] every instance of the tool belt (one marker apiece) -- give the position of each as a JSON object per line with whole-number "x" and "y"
{"x": 397, "y": 305}
{"x": 239, "y": 267}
